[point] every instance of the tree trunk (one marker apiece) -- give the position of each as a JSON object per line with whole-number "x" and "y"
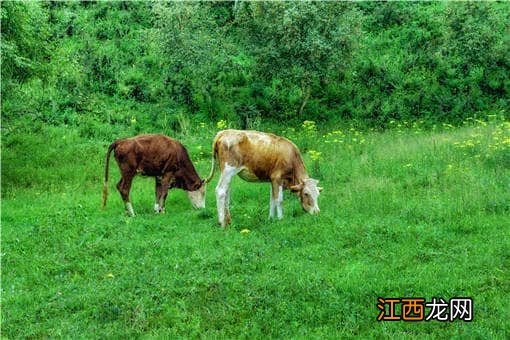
{"x": 306, "y": 96}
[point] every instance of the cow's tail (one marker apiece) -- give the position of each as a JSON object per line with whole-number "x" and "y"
{"x": 213, "y": 160}
{"x": 106, "y": 170}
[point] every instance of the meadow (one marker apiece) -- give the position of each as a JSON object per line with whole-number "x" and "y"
{"x": 410, "y": 211}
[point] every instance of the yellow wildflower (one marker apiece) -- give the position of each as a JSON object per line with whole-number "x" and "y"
{"x": 221, "y": 124}
{"x": 315, "y": 155}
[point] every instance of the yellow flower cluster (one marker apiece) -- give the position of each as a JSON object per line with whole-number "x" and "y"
{"x": 309, "y": 129}
{"x": 309, "y": 125}
{"x": 336, "y": 136}
{"x": 221, "y": 124}
{"x": 416, "y": 126}
{"x": 315, "y": 155}
{"x": 500, "y": 138}
{"x": 351, "y": 136}
{"x": 486, "y": 139}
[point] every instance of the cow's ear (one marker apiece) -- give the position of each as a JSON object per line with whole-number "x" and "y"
{"x": 319, "y": 188}
{"x": 296, "y": 188}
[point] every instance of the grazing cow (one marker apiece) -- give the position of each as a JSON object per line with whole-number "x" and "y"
{"x": 158, "y": 156}
{"x": 261, "y": 157}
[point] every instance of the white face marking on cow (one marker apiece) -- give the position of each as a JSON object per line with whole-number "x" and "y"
{"x": 309, "y": 195}
{"x": 197, "y": 197}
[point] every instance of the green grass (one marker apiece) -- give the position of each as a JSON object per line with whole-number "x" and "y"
{"x": 404, "y": 213}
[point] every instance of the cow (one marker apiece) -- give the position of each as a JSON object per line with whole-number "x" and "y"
{"x": 261, "y": 157}
{"x": 157, "y": 156}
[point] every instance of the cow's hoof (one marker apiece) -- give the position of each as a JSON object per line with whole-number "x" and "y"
{"x": 224, "y": 225}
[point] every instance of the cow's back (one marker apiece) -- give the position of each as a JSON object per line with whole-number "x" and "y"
{"x": 261, "y": 154}
{"x": 148, "y": 154}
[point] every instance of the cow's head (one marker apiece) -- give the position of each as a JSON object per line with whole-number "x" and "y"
{"x": 197, "y": 196}
{"x": 308, "y": 193}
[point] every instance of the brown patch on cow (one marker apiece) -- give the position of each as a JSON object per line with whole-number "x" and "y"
{"x": 262, "y": 156}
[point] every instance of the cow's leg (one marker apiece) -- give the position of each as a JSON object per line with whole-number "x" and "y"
{"x": 163, "y": 191}
{"x": 163, "y": 200}
{"x": 223, "y": 192}
{"x": 157, "y": 207}
{"x": 279, "y": 202}
{"x": 227, "y": 206}
{"x": 276, "y": 200}
{"x": 272, "y": 204}
{"x": 124, "y": 186}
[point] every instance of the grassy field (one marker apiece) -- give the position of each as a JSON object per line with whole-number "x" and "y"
{"x": 404, "y": 213}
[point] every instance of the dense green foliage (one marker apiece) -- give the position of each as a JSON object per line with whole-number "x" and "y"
{"x": 158, "y": 62}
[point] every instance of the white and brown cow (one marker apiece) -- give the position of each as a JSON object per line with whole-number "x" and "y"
{"x": 158, "y": 156}
{"x": 261, "y": 157}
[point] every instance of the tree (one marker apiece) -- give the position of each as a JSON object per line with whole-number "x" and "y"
{"x": 25, "y": 39}
{"x": 304, "y": 43}
{"x": 197, "y": 52}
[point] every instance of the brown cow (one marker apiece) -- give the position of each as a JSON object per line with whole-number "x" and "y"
{"x": 261, "y": 157}
{"x": 158, "y": 156}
